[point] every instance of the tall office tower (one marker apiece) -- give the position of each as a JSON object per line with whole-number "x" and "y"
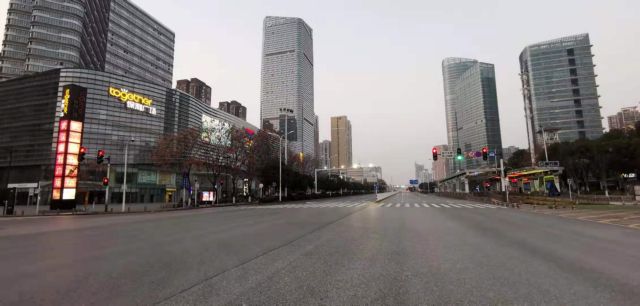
{"x": 473, "y": 121}
{"x": 325, "y": 154}
{"x": 234, "y": 108}
{"x": 560, "y": 92}
{"x": 341, "y": 142}
{"x": 198, "y": 89}
{"x": 316, "y": 136}
{"x": 287, "y": 80}
{"x": 106, "y": 35}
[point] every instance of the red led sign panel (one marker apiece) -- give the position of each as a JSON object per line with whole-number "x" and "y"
{"x": 68, "y": 146}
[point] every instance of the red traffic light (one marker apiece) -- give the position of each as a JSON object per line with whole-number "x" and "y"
{"x": 485, "y": 150}
{"x": 435, "y": 153}
{"x": 83, "y": 150}
{"x": 485, "y": 153}
{"x": 100, "y": 153}
{"x": 105, "y": 181}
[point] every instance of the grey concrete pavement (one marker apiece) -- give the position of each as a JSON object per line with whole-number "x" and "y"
{"x": 402, "y": 251}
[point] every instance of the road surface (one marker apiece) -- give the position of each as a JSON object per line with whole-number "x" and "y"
{"x": 407, "y": 250}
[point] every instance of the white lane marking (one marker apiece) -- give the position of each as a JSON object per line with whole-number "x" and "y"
{"x": 435, "y": 205}
{"x": 361, "y": 204}
{"x": 389, "y": 205}
{"x": 445, "y": 205}
{"x": 407, "y": 205}
{"x": 416, "y": 205}
{"x": 479, "y": 205}
{"x": 425, "y": 205}
{"x": 467, "y": 205}
{"x": 398, "y": 205}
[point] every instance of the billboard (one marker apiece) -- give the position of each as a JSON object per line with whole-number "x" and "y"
{"x": 216, "y": 131}
{"x": 68, "y": 147}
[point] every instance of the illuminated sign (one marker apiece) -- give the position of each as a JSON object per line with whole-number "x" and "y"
{"x": 133, "y": 100}
{"x": 68, "y": 147}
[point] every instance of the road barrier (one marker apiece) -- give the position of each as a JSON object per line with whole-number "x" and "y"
{"x": 386, "y": 195}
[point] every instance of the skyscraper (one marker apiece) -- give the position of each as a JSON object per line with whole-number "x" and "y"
{"x": 114, "y": 36}
{"x": 287, "y": 79}
{"x": 560, "y": 91}
{"x": 471, "y": 103}
{"x": 325, "y": 154}
{"x": 196, "y": 88}
{"x": 341, "y": 142}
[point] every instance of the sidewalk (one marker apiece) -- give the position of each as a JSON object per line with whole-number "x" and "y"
{"x": 29, "y": 211}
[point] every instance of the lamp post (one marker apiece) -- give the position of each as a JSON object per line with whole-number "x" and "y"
{"x": 280, "y": 138}
{"x": 124, "y": 184}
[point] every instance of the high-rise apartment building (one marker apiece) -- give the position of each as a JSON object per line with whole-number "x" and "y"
{"x": 325, "y": 154}
{"x": 287, "y": 79}
{"x": 440, "y": 168}
{"x": 625, "y": 119}
{"x": 196, "y": 88}
{"x": 560, "y": 91}
{"x": 341, "y": 142}
{"x": 114, "y": 36}
{"x": 234, "y": 108}
{"x": 419, "y": 171}
{"x": 471, "y": 103}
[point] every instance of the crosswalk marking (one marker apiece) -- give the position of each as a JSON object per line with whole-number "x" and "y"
{"x": 364, "y": 204}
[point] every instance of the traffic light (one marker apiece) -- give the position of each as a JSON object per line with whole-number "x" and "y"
{"x": 435, "y": 154}
{"x": 105, "y": 181}
{"x": 83, "y": 152}
{"x": 100, "y": 158}
{"x": 485, "y": 153}
{"x": 459, "y": 154}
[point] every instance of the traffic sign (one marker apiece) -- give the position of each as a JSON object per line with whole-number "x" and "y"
{"x": 492, "y": 153}
{"x": 413, "y": 182}
{"x": 447, "y": 154}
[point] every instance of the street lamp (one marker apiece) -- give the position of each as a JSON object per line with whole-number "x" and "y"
{"x": 124, "y": 185}
{"x": 280, "y": 138}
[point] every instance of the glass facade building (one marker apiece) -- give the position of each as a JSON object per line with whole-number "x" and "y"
{"x": 287, "y": 79}
{"x": 114, "y": 36}
{"x": 560, "y": 91}
{"x": 32, "y": 105}
{"x": 473, "y": 120}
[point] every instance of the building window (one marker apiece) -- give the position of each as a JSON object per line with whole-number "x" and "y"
{"x": 572, "y": 62}
{"x": 574, "y": 82}
{"x": 580, "y": 124}
{"x": 571, "y": 52}
{"x": 579, "y": 114}
{"x": 582, "y": 135}
{"x": 576, "y": 92}
{"x": 573, "y": 72}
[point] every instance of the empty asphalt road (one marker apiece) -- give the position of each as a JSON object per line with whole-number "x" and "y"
{"x": 410, "y": 249}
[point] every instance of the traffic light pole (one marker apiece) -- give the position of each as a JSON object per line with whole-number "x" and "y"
{"x": 106, "y": 195}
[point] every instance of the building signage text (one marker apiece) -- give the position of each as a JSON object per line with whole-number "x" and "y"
{"x": 133, "y": 100}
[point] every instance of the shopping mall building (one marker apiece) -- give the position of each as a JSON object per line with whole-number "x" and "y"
{"x": 46, "y": 117}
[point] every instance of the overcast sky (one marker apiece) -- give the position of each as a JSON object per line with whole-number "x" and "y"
{"x": 379, "y": 62}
